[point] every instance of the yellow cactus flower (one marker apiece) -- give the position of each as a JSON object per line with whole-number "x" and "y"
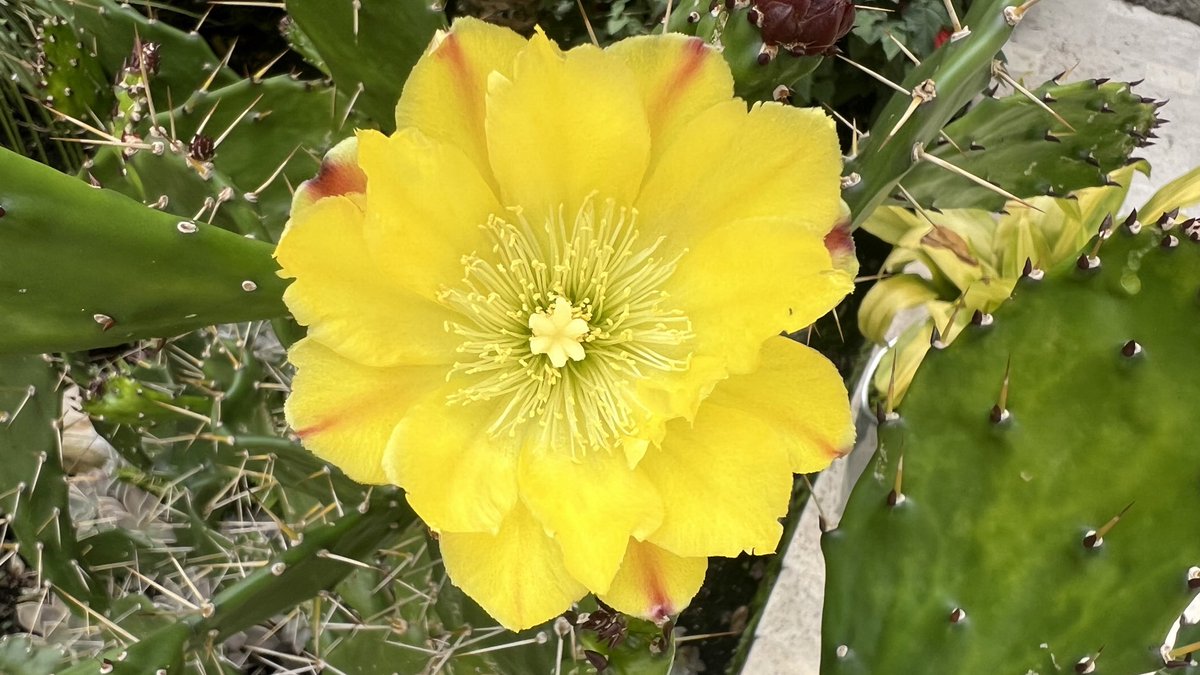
{"x": 549, "y": 308}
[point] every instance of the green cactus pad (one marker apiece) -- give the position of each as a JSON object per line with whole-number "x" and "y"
{"x": 1017, "y": 145}
{"x": 371, "y": 43}
{"x": 113, "y": 28}
{"x": 33, "y": 483}
{"x": 272, "y": 135}
{"x": 83, "y": 268}
{"x": 20, "y": 655}
{"x": 985, "y": 564}
{"x": 292, "y": 122}
{"x": 959, "y": 70}
{"x": 170, "y": 182}
{"x": 75, "y": 83}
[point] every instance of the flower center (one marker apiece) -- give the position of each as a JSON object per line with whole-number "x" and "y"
{"x": 557, "y": 333}
{"x": 560, "y": 322}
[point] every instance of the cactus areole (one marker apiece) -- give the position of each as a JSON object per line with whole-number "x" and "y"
{"x": 565, "y": 352}
{"x": 803, "y": 27}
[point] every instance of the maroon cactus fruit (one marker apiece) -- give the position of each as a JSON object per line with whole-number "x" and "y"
{"x": 803, "y": 27}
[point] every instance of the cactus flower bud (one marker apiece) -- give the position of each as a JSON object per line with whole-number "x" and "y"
{"x": 803, "y": 27}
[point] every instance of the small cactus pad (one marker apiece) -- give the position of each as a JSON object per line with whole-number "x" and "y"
{"x": 934, "y": 92}
{"x": 369, "y": 46}
{"x": 1019, "y": 146}
{"x": 33, "y": 485}
{"x": 1035, "y": 506}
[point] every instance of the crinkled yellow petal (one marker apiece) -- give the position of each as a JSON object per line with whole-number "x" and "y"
{"x": 678, "y": 394}
{"x": 799, "y": 393}
{"x": 457, "y": 477}
{"x": 727, "y": 165}
{"x": 516, "y": 574}
{"x": 427, "y": 203}
{"x": 654, "y": 583}
{"x": 445, "y": 93}
{"x": 347, "y": 301}
{"x": 591, "y": 505}
{"x": 678, "y": 77}
{"x": 750, "y": 280}
{"x": 345, "y": 412}
{"x": 563, "y": 126}
{"x": 725, "y": 481}
{"x": 739, "y": 286}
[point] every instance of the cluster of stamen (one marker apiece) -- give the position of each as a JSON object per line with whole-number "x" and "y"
{"x": 559, "y": 323}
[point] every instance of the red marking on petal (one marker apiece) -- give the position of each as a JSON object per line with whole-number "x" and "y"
{"x": 468, "y": 86}
{"x": 660, "y": 613}
{"x": 693, "y": 58}
{"x": 694, "y": 55}
{"x": 840, "y": 245}
{"x": 817, "y": 440}
{"x": 451, "y": 51}
{"x": 315, "y": 429}
{"x": 660, "y": 604}
{"x": 838, "y": 241}
{"x": 336, "y": 178}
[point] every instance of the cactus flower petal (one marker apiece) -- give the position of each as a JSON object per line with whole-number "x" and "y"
{"x": 727, "y": 165}
{"x": 445, "y": 93}
{"x": 580, "y": 114}
{"x": 743, "y": 284}
{"x": 593, "y": 251}
{"x": 458, "y": 477}
{"x": 678, "y": 78}
{"x": 813, "y": 424}
{"x": 345, "y": 412}
{"x": 427, "y": 202}
{"x": 591, "y": 505}
{"x": 655, "y": 583}
{"x": 517, "y": 574}
{"x": 347, "y": 301}
{"x": 339, "y": 175}
{"x": 725, "y": 482}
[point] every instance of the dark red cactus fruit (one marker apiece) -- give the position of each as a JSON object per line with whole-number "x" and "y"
{"x": 803, "y": 27}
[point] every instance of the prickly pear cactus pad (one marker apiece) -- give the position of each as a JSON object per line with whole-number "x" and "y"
{"x": 1033, "y": 505}
{"x": 162, "y": 274}
{"x": 1067, "y": 137}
